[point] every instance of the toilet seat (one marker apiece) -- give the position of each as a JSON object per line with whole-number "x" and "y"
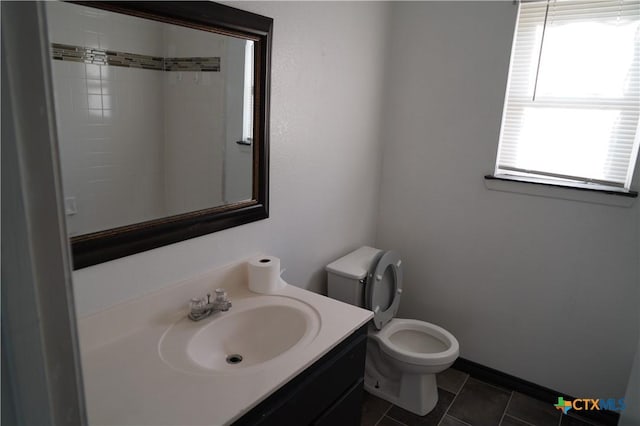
{"x": 383, "y": 290}
{"x": 403, "y": 355}
{"x": 428, "y": 343}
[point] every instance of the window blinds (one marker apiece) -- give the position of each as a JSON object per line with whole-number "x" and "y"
{"x": 573, "y": 96}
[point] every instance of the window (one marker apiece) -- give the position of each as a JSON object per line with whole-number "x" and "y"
{"x": 247, "y": 106}
{"x": 573, "y": 96}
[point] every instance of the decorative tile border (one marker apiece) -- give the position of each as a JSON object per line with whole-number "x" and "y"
{"x": 192, "y": 64}
{"x": 87, "y": 55}
{"x": 131, "y": 60}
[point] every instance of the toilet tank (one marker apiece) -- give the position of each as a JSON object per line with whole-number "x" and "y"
{"x": 346, "y": 276}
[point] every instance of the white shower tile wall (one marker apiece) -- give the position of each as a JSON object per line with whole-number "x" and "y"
{"x": 108, "y": 139}
{"x": 122, "y": 130}
{"x": 100, "y": 29}
{"x": 107, "y": 120}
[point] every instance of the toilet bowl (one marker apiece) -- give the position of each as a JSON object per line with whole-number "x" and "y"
{"x": 403, "y": 355}
{"x": 422, "y": 346}
{"x": 412, "y": 352}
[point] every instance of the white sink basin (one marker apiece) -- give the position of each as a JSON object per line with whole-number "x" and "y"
{"x": 254, "y": 332}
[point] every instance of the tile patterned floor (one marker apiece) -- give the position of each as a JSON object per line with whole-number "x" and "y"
{"x": 466, "y": 401}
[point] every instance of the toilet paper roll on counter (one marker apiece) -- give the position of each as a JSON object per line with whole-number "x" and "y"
{"x": 264, "y": 275}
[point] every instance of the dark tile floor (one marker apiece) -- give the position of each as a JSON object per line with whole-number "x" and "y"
{"x": 466, "y": 401}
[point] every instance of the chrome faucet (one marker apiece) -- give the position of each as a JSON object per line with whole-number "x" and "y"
{"x": 201, "y": 308}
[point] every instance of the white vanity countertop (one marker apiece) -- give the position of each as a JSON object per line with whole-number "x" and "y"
{"x": 127, "y": 382}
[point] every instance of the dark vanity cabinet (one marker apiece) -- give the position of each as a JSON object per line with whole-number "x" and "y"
{"x": 327, "y": 393}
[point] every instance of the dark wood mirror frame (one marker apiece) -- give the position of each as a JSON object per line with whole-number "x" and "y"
{"x": 98, "y": 247}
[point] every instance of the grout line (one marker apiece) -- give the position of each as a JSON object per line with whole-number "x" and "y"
{"x": 384, "y": 414}
{"x": 520, "y": 420}
{"x": 495, "y": 386}
{"x": 458, "y": 420}
{"x": 454, "y": 399}
{"x": 463, "y": 383}
{"x": 506, "y": 407}
{"x": 387, "y": 410}
{"x": 376, "y": 423}
{"x": 395, "y": 420}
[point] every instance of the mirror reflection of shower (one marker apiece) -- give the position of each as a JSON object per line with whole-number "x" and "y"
{"x": 247, "y": 110}
{"x": 239, "y": 121}
{"x": 149, "y": 115}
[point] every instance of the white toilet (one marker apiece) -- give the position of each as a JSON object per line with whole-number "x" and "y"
{"x": 403, "y": 355}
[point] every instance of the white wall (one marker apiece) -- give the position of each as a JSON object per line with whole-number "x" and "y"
{"x": 326, "y": 77}
{"x": 544, "y": 289}
{"x": 631, "y": 415}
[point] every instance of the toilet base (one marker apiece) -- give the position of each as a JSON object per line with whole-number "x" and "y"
{"x": 417, "y": 393}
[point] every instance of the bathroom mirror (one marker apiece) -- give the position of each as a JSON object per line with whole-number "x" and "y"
{"x": 162, "y": 111}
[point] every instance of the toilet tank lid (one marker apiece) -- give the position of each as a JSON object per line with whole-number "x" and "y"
{"x": 354, "y": 265}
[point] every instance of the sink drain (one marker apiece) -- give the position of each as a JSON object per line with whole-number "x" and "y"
{"x": 234, "y": 359}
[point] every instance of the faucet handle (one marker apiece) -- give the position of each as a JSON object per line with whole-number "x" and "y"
{"x": 197, "y": 303}
{"x": 221, "y": 295}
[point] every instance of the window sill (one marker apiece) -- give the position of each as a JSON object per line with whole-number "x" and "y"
{"x": 596, "y": 194}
